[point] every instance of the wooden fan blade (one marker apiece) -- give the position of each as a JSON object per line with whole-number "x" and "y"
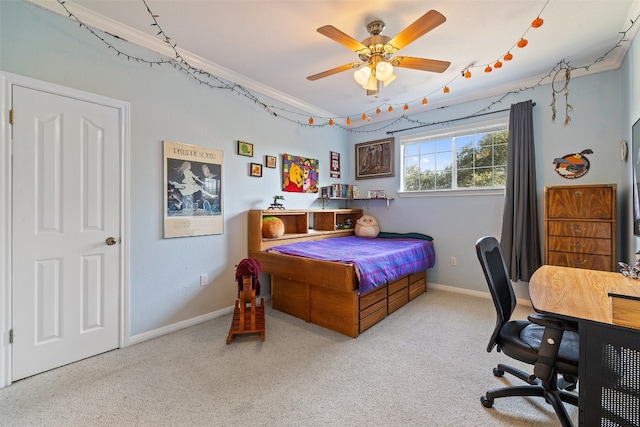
{"x": 336, "y": 70}
{"x": 423, "y": 64}
{"x": 420, "y": 27}
{"x": 346, "y": 40}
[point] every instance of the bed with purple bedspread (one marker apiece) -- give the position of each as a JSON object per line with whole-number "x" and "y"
{"x": 378, "y": 261}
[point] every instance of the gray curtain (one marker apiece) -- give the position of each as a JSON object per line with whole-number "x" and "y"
{"x": 520, "y": 239}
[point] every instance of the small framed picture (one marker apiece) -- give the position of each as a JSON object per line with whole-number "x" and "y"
{"x": 245, "y": 149}
{"x": 270, "y": 161}
{"x": 256, "y": 169}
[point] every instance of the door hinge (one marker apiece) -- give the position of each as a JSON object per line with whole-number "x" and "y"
{"x": 11, "y": 116}
{"x": 11, "y": 336}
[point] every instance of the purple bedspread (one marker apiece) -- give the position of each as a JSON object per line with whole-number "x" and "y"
{"x": 378, "y": 260}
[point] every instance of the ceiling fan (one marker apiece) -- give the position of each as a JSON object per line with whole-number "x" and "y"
{"x": 376, "y": 52}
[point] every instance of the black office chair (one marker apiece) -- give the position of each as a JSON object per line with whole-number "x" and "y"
{"x": 534, "y": 341}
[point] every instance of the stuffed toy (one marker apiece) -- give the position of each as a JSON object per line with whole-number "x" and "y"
{"x": 272, "y": 227}
{"x": 367, "y": 226}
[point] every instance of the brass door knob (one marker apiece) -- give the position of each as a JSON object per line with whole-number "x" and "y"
{"x": 110, "y": 241}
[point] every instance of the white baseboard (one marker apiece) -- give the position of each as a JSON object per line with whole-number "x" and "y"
{"x": 228, "y": 310}
{"x": 481, "y": 294}
{"x": 184, "y": 324}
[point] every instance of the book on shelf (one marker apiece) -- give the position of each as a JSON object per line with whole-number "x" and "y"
{"x": 342, "y": 191}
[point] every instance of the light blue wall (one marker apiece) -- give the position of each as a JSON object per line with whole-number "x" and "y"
{"x": 456, "y": 222}
{"x": 165, "y": 105}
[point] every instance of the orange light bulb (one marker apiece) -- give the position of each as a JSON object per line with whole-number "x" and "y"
{"x": 446, "y": 89}
{"x": 331, "y": 122}
{"x": 467, "y": 75}
{"x": 364, "y": 116}
{"x": 498, "y": 64}
{"x": 508, "y": 57}
{"x": 406, "y": 107}
{"x": 537, "y": 23}
{"x": 488, "y": 69}
{"x": 348, "y": 120}
{"x": 424, "y": 101}
{"x": 378, "y": 110}
{"x": 310, "y": 120}
{"x": 390, "y": 108}
{"x": 522, "y": 43}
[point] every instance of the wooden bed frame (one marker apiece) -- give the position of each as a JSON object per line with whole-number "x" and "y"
{"x": 321, "y": 292}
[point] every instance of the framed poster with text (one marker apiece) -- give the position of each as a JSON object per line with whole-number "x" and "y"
{"x": 192, "y": 190}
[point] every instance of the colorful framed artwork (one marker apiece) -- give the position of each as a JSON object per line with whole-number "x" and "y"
{"x": 256, "y": 169}
{"x": 270, "y": 161}
{"x": 374, "y": 159}
{"x": 245, "y": 149}
{"x": 334, "y": 168}
{"x": 192, "y": 190}
{"x": 300, "y": 174}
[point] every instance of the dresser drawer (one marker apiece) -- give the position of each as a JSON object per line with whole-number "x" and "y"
{"x": 580, "y": 245}
{"x": 588, "y": 261}
{"x": 600, "y": 230}
{"x": 580, "y": 202}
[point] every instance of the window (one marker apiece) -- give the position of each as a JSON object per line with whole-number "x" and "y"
{"x": 465, "y": 158}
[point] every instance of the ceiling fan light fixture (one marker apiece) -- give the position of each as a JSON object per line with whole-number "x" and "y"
{"x": 372, "y": 83}
{"x": 362, "y": 76}
{"x": 384, "y": 70}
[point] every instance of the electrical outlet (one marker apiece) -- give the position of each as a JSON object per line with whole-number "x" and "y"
{"x": 204, "y": 279}
{"x": 453, "y": 261}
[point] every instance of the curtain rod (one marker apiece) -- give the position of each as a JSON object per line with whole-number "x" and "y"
{"x": 391, "y": 132}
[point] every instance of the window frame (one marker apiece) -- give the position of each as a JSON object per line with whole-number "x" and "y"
{"x": 496, "y": 124}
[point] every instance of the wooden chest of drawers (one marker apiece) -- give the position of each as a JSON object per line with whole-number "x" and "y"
{"x": 580, "y": 226}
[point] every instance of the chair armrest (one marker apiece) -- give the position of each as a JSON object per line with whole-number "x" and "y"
{"x": 553, "y": 322}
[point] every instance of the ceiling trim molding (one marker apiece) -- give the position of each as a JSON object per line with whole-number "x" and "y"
{"x": 112, "y": 27}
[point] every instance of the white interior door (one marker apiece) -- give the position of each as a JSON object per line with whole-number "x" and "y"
{"x": 66, "y": 210}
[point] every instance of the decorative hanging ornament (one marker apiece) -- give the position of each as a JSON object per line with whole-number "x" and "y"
{"x": 310, "y": 120}
{"x": 488, "y": 69}
{"x": 390, "y": 108}
{"x": 364, "y": 116}
{"x": 406, "y": 107}
{"x": 424, "y": 101}
{"x": 446, "y": 89}
{"x": 467, "y": 74}
{"x": 508, "y": 56}
{"x": 498, "y": 64}
{"x": 348, "y": 120}
{"x": 522, "y": 43}
{"x": 378, "y": 110}
{"x": 331, "y": 122}
{"x": 537, "y": 23}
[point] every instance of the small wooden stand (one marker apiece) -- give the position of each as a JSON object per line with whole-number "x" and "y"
{"x": 247, "y": 319}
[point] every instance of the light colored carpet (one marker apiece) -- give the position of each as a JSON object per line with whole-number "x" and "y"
{"x": 425, "y": 365}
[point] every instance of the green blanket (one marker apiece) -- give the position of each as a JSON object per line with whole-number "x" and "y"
{"x": 388, "y": 235}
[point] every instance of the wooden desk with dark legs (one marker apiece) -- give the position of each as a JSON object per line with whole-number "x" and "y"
{"x": 607, "y": 307}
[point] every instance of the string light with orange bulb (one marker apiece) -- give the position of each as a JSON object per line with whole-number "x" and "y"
{"x": 310, "y": 120}
{"x": 424, "y": 101}
{"x": 348, "y": 120}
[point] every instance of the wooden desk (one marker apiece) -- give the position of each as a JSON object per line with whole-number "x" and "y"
{"x": 609, "y": 353}
{"x": 578, "y": 293}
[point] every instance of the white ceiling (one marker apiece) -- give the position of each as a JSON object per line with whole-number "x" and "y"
{"x": 270, "y": 47}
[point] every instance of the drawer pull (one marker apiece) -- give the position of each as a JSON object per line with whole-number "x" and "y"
{"x": 578, "y": 193}
{"x": 576, "y": 262}
{"x": 577, "y": 229}
{"x": 578, "y": 245}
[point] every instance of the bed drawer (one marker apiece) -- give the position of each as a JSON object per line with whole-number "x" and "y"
{"x": 373, "y": 297}
{"x": 415, "y": 277}
{"x": 398, "y": 299}
{"x": 373, "y": 316}
{"x": 372, "y": 309}
{"x": 417, "y": 287}
{"x": 398, "y": 285}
